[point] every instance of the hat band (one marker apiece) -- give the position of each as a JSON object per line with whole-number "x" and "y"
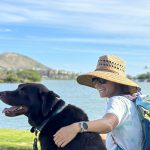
{"x": 112, "y": 71}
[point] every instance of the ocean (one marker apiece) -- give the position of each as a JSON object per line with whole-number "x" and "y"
{"x": 71, "y": 92}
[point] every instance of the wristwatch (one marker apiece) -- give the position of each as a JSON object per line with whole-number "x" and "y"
{"x": 83, "y": 126}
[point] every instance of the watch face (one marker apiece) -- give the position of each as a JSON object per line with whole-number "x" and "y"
{"x": 85, "y": 126}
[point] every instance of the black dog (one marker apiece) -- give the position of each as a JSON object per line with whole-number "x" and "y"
{"x": 48, "y": 113}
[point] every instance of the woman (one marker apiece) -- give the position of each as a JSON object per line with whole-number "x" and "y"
{"x": 121, "y": 121}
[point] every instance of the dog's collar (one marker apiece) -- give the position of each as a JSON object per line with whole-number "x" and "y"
{"x": 60, "y": 108}
{"x": 35, "y": 130}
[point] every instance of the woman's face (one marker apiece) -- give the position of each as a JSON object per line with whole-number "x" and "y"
{"x": 107, "y": 89}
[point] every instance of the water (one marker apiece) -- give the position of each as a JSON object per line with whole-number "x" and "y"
{"x": 69, "y": 90}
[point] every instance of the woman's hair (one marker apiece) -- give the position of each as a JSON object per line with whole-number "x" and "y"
{"x": 125, "y": 89}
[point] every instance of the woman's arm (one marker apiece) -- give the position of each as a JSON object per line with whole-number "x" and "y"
{"x": 68, "y": 133}
{"x": 103, "y": 136}
{"x": 104, "y": 125}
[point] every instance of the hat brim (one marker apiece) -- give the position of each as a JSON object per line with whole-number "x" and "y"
{"x": 86, "y": 79}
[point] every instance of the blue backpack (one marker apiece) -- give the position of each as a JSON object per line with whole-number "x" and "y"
{"x": 143, "y": 105}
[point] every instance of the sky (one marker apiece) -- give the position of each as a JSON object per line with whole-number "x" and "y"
{"x": 72, "y": 34}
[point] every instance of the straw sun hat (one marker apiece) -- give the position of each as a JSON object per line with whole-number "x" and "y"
{"x": 111, "y": 68}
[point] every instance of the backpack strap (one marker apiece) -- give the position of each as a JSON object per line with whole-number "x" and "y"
{"x": 118, "y": 147}
{"x": 143, "y": 107}
{"x": 147, "y": 124}
{"x": 143, "y": 102}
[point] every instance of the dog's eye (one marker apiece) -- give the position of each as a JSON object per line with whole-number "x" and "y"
{"x": 21, "y": 91}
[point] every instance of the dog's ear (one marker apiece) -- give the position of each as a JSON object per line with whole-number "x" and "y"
{"x": 21, "y": 85}
{"x": 49, "y": 100}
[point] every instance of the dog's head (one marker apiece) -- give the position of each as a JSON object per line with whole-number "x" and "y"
{"x": 31, "y": 99}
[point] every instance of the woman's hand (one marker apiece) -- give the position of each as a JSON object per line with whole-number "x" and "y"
{"x": 66, "y": 134}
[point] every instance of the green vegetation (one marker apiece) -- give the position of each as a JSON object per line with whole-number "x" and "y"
{"x": 20, "y": 76}
{"x": 12, "y": 139}
{"x": 29, "y": 75}
{"x": 144, "y": 77}
{"x": 141, "y": 77}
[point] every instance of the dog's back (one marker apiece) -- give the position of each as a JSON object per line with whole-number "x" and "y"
{"x": 83, "y": 141}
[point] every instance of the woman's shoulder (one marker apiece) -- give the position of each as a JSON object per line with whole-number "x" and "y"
{"x": 119, "y": 99}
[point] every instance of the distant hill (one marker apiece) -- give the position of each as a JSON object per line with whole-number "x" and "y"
{"x": 14, "y": 61}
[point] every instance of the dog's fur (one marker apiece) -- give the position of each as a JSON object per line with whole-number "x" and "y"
{"x": 39, "y": 104}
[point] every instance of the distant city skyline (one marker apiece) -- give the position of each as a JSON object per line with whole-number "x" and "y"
{"x": 71, "y": 35}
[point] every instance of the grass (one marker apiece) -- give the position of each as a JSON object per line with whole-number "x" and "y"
{"x": 12, "y": 139}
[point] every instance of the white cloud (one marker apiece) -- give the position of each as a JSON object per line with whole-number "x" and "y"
{"x": 5, "y": 30}
{"x": 112, "y": 41}
{"x": 85, "y": 15}
{"x": 127, "y": 41}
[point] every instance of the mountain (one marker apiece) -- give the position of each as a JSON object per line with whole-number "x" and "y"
{"x": 14, "y": 61}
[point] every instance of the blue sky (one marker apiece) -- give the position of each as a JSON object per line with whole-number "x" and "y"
{"x": 72, "y": 34}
